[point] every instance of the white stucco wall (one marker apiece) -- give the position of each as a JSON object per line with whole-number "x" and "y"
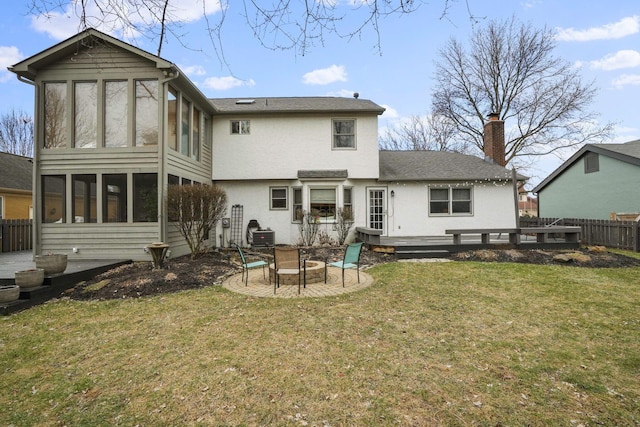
{"x": 408, "y": 210}
{"x": 278, "y": 146}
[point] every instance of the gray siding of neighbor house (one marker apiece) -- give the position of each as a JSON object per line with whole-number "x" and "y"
{"x": 576, "y": 194}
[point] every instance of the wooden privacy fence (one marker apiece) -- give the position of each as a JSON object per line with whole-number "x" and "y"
{"x": 613, "y": 234}
{"x": 15, "y": 235}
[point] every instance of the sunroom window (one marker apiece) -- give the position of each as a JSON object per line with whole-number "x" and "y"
{"x": 53, "y": 198}
{"x": 55, "y": 115}
{"x": 114, "y": 197}
{"x": 146, "y": 112}
{"x": 86, "y": 115}
{"x": 115, "y": 113}
{"x": 84, "y": 203}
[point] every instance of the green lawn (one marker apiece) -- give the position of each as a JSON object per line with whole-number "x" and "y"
{"x": 428, "y": 344}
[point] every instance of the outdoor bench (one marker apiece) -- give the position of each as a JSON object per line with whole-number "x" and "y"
{"x": 368, "y": 235}
{"x": 485, "y": 234}
{"x": 571, "y": 234}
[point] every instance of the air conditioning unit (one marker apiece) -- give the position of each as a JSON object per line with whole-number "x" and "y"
{"x": 264, "y": 238}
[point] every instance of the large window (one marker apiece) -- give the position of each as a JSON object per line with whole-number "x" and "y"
{"x": 172, "y": 118}
{"x": 146, "y": 112}
{"x": 322, "y": 202}
{"x": 53, "y": 198}
{"x": 184, "y": 141}
{"x": 115, "y": 113}
{"x": 450, "y": 201}
{"x": 195, "y": 135}
{"x": 278, "y": 197}
{"x": 114, "y": 197}
{"x": 85, "y": 101}
{"x": 240, "y": 127}
{"x": 55, "y": 116}
{"x": 145, "y": 197}
{"x": 84, "y": 202}
{"x": 344, "y": 134}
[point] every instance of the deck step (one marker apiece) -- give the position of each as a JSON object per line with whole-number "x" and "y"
{"x": 421, "y": 253}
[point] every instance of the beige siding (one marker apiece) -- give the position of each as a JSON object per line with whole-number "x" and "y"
{"x": 76, "y": 160}
{"x": 100, "y": 241}
{"x": 102, "y": 58}
{"x": 186, "y": 168}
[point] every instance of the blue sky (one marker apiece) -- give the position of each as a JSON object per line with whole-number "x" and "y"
{"x": 601, "y": 38}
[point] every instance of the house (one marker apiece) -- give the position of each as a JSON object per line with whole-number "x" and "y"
{"x": 16, "y": 174}
{"x": 117, "y": 125}
{"x": 597, "y": 181}
{"x": 527, "y": 205}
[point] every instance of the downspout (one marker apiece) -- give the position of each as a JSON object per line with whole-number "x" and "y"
{"x": 37, "y": 219}
{"x": 172, "y": 74}
{"x": 514, "y": 178}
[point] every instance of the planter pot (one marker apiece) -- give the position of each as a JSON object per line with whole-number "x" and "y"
{"x": 30, "y": 278}
{"x": 9, "y": 293}
{"x": 52, "y": 264}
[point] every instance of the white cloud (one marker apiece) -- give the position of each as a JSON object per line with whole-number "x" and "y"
{"x": 621, "y": 59}
{"x": 389, "y": 113}
{"x": 194, "y": 70}
{"x": 625, "y": 27}
{"x": 324, "y": 76}
{"x": 626, "y": 80}
{"x": 9, "y": 55}
{"x": 102, "y": 15}
{"x": 227, "y": 82}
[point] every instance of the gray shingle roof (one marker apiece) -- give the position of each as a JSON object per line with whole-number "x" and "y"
{"x": 15, "y": 172}
{"x": 295, "y": 105}
{"x": 437, "y": 166}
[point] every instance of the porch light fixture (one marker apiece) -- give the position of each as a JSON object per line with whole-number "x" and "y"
{"x": 393, "y": 193}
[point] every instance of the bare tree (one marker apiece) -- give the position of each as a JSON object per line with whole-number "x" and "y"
{"x": 277, "y": 24}
{"x": 430, "y": 132}
{"x": 16, "y": 133}
{"x": 509, "y": 69}
{"x": 195, "y": 210}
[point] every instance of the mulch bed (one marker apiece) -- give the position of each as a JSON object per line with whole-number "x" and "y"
{"x": 212, "y": 268}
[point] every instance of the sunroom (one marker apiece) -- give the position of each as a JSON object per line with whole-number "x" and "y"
{"x": 114, "y": 127}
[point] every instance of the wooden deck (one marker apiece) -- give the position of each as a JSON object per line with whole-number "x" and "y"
{"x": 444, "y": 246}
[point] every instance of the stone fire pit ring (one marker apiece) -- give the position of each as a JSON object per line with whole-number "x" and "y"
{"x": 315, "y": 274}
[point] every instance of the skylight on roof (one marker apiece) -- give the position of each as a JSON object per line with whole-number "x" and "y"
{"x": 245, "y": 101}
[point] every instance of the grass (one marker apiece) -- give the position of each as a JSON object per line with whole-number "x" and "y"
{"x": 427, "y": 344}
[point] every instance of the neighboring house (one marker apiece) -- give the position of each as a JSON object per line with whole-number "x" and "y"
{"x": 117, "y": 125}
{"x": 598, "y": 180}
{"x": 527, "y": 205}
{"x": 16, "y": 175}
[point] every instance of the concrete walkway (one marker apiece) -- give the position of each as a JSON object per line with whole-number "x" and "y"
{"x": 260, "y": 287}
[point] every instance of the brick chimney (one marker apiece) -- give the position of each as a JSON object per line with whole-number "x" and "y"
{"x": 494, "y": 149}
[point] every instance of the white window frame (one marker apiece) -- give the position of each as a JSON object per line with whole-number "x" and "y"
{"x": 295, "y": 206}
{"x": 354, "y": 145}
{"x": 450, "y": 201}
{"x": 285, "y": 190}
{"x": 335, "y": 202}
{"x": 243, "y": 126}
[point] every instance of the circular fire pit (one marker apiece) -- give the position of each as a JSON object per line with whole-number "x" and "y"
{"x": 315, "y": 274}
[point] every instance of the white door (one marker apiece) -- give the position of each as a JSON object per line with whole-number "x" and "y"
{"x": 377, "y": 209}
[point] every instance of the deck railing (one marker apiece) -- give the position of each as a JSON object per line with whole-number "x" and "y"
{"x": 613, "y": 234}
{"x": 15, "y": 235}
